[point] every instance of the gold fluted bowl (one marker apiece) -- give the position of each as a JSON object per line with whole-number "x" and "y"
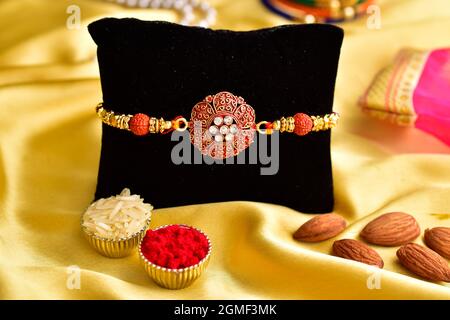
{"x": 175, "y": 278}
{"x": 117, "y": 248}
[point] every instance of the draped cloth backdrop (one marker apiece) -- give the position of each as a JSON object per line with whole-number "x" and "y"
{"x": 49, "y": 153}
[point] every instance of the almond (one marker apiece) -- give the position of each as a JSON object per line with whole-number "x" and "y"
{"x": 357, "y": 251}
{"x": 391, "y": 229}
{"x": 424, "y": 262}
{"x": 320, "y": 228}
{"x": 438, "y": 239}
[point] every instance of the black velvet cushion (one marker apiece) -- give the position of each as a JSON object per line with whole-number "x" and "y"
{"x": 164, "y": 69}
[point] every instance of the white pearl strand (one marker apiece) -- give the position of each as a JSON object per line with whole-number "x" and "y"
{"x": 186, "y": 9}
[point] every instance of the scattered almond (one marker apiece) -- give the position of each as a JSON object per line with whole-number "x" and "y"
{"x": 391, "y": 229}
{"x": 357, "y": 251}
{"x": 424, "y": 262}
{"x": 438, "y": 239}
{"x": 320, "y": 228}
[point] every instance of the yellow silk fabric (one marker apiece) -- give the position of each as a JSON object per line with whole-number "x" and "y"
{"x": 49, "y": 154}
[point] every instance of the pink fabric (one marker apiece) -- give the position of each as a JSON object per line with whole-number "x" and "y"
{"x": 432, "y": 96}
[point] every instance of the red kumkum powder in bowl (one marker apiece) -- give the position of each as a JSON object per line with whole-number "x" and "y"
{"x": 175, "y": 246}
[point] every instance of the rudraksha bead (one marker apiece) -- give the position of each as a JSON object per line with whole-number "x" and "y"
{"x": 139, "y": 124}
{"x": 303, "y": 124}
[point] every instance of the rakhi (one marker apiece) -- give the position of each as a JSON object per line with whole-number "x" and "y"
{"x": 221, "y": 126}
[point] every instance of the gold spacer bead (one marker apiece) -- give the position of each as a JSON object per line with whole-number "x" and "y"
{"x": 326, "y": 122}
{"x": 153, "y": 125}
{"x": 111, "y": 119}
{"x": 283, "y": 124}
{"x": 99, "y": 108}
{"x": 290, "y": 124}
{"x": 116, "y": 121}
{"x": 276, "y": 125}
{"x": 162, "y": 124}
{"x": 99, "y": 111}
{"x": 320, "y": 124}
{"x": 102, "y": 114}
{"x": 122, "y": 121}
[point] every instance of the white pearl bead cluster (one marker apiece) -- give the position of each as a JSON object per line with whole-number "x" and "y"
{"x": 223, "y": 128}
{"x": 186, "y": 9}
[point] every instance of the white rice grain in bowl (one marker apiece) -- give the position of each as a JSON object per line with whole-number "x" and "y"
{"x": 114, "y": 226}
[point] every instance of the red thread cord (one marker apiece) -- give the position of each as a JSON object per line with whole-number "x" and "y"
{"x": 172, "y": 129}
